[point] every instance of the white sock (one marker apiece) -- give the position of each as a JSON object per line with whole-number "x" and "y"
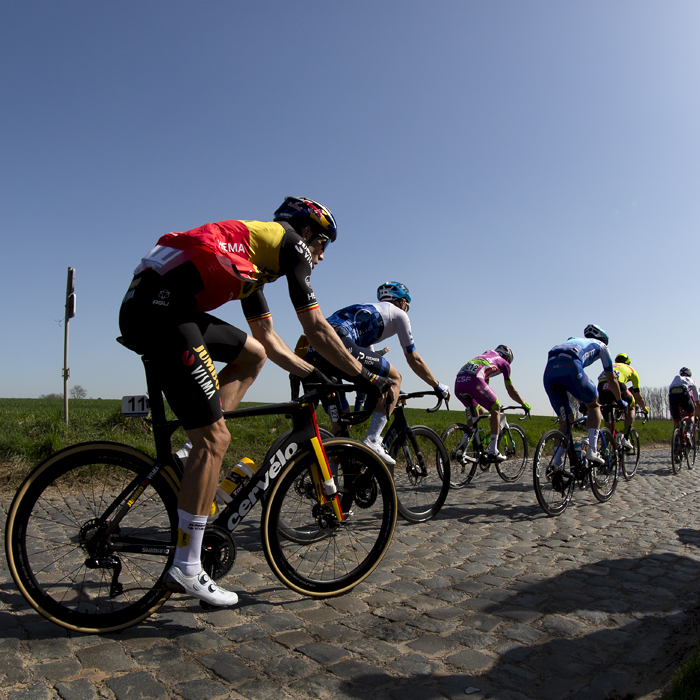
{"x": 559, "y": 456}
{"x": 593, "y": 439}
{"x": 376, "y": 425}
{"x": 493, "y": 446}
{"x": 189, "y": 542}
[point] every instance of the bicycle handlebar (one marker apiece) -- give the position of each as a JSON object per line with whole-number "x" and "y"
{"x": 430, "y": 392}
{"x": 315, "y": 392}
{"x": 516, "y": 408}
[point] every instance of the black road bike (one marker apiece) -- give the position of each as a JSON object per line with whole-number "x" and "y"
{"x": 628, "y": 457}
{"x": 560, "y": 464}
{"x": 683, "y": 445}
{"x": 422, "y": 470}
{"x": 92, "y": 530}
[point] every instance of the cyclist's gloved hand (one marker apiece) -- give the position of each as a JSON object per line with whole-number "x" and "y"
{"x": 646, "y": 412}
{"x": 527, "y": 407}
{"x": 295, "y": 384}
{"x": 622, "y": 403}
{"x": 443, "y": 390}
{"x": 376, "y": 384}
{"x": 317, "y": 377}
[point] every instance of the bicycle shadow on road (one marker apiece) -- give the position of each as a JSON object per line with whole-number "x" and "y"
{"x": 616, "y": 628}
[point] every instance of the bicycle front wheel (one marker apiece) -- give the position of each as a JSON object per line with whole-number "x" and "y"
{"x": 552, "y": 487}
{"x": 64, "y": 566}
{"x": 513, "y": 445}
{"x": 421, "y": 473}
{"x": 603, "y": 477}
{"x": 463, "y": 462}
{"x": 630, "y": 462}
{"x": 340, "y": 554}
{"x": 677, "y": 451}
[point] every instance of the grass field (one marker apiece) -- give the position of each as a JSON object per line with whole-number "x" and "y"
{"x": 32, "y": 429}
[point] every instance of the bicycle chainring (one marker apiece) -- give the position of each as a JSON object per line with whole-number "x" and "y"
{"x": 365, "y": 491}
{"x": 218, "y": 551}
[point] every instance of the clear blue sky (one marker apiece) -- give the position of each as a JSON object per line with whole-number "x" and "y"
{"x": 524, "y": 167}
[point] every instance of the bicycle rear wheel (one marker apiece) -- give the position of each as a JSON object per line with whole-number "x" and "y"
{"x": 342, "y": 554}
{"x": 63, "y": 566}
{"x": 677, "y": 451}
{"x": 462, "y": 465}
{"x": 631, "y": 457}
{"x": 513, "y": 445}
{"x": 603, "y": 477}
{"x": 421, "y": 474}
{"x": 552, "y": 487}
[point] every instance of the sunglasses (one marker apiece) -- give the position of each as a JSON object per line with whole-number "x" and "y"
{"x": 325, "y": 240}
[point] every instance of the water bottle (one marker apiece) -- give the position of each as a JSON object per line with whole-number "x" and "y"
{"x": 584, "y": 448}
{"x": 577, "y": 450}
{"x": 228, "y": 488}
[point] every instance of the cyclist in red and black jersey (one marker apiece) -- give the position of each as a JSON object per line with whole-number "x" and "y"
{"x": 164, "y": 314}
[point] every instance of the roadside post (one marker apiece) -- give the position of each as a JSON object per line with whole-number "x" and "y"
{"x": 70, "y": 312}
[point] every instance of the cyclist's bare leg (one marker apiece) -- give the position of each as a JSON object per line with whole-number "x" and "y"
{"x": 201, "y": 474}
{"x": 393, "y": 395}
{"x": 199, "y": 482}
{"x": 495, "y": 419}
{"x": 594, "y": 417}
{"x": 236, "y": 378}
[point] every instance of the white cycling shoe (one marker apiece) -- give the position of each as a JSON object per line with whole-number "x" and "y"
{"x": 199, "y": 586}
{"x": 626, "y": 444}
{"x": 496, "y": 456}
{"x": 379, "y": 450}
{"x": 593, "y": 456}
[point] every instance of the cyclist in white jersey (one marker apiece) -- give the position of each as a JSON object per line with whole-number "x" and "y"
{"x": 683, "y": 395}
{"x": 360, "y": 327}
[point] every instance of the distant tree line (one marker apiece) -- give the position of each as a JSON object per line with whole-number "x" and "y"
{"x": 77, "y": 392}
{"x": 656, "y": 399}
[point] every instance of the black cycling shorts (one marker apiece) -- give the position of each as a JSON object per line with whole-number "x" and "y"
{"x": 679, "y": 399}
{"x": 159, "y": 319}
{"x": 607, "y": 399}
{"x": 373, "y": 361}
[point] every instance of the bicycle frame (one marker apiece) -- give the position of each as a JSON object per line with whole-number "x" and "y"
{"x": 399, "y": 425}
{"x": 503, "y": 425}
{"x": 304, "y": 432}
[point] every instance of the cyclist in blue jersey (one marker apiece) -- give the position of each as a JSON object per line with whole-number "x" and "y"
{"x": 359, "y": 328}
{"x": 564, "y": 374}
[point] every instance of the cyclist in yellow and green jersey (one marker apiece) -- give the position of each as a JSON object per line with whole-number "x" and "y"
{"x": 625, "y": 374}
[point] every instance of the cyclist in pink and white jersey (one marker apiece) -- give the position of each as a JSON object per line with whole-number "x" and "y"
{"x": 472, "y": 389}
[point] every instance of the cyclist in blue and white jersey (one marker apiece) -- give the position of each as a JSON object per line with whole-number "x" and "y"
{"x": 564, "y": 374}
{"x": 360, "y": 327}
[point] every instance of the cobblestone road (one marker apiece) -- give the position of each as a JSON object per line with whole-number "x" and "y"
{"x": 491, "y": 600}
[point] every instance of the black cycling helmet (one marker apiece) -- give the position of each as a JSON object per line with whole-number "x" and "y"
{"x": 596, "y": 332}
{"x": 505, "y": 352}
{"x": 685, "y": 372}
{"x": 624, "y": 358}
{"x": 302, "y": 211}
